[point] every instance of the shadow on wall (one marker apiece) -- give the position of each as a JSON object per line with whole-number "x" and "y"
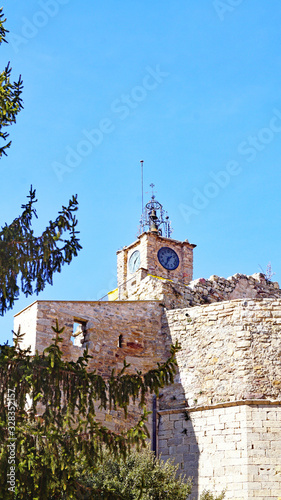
{"x": 176, "y": 440}
{"x": 176, "y": 435}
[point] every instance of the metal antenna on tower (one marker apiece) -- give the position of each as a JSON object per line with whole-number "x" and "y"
{"x": 141, "y": 162}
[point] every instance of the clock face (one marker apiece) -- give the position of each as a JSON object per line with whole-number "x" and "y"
{"x": 168, "y": 258}
{"x": 134, "y": 261}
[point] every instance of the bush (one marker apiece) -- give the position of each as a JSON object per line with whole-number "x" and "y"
{"x": 139, "y": 476}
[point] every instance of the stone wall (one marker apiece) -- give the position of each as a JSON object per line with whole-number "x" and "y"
{"x": 139, "y": 323}
{"x": 141, "y": 344}
{"x": 201, "y": 291}
{"x": 230, "y": 350}
{"x": 221, "y": 420}
{"x": 239, "y": 286}
{"x": 236, "y": 448}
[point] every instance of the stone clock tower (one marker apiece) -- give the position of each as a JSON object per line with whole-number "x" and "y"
{"x": 153, "y": 256}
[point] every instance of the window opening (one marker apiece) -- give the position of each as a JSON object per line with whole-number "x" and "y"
{"x": 78, "y": 333}
{"x": 120, "y": 341}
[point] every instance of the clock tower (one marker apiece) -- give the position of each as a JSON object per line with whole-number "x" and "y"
{"x": 153, "y": 256}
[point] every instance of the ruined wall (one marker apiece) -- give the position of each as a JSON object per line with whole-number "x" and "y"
{"x": 201, "y": 291}
{"x": 239, "y": 286}
{"x": 236, "y": 448}
{"x": 139, "y": 323}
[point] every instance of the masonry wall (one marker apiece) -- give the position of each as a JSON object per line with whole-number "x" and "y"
{"x": 236, "y": 447}
{"x": 200, "y": 291}
{"x": 230, "y": 350}
{"x": 139, "y": 323}
{"x": 222, "y": 419}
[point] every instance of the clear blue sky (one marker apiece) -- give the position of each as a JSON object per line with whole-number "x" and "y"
{"x": 192, "y": 88}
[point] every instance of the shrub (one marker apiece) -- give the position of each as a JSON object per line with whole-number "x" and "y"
{"x": 139, "y": 476}
{"x": 207, "y": 495}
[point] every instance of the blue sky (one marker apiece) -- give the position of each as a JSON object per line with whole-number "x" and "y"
{"x": 192, "y": 88}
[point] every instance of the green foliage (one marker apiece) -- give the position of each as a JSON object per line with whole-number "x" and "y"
{"x": 35, "y": 259}
{"x": 207, "y": 495}
{"x": 10, "y": 94}
{"x": 139, "y": 476}
{"x": 58, "y": 428}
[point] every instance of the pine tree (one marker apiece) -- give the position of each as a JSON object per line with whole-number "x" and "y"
{"x": 10, "y": 94}
{"x": 35, "y": 258}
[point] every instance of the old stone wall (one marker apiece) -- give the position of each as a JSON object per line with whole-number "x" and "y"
{"x": 138, "y": 324}
{"x": 239, "y": 286}
{"x": 230, "y": 350}
{"x": 236, "y": 447}
{"x": 201, "y": 291}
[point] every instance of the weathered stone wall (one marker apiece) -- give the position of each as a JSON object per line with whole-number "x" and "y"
{"x": 230, "y": 350}
{"x": 236, "y": 448}
{"x": 201, "y": 291}
{"x": 239, "y": 286}
{"x": 139, "y": 323}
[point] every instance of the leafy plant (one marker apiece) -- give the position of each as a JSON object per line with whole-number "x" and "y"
{"x": 139, "y": 476}
{"x": 207, "y": 495}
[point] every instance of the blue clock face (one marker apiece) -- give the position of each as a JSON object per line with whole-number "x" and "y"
{"x": 134, "y": 261}
{"x": 168, "y": 258}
